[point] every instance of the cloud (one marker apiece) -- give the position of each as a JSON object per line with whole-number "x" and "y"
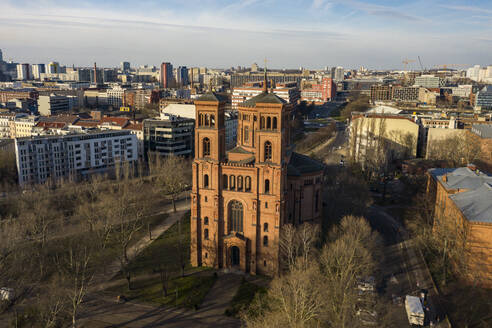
{"x": 473, "y": 9}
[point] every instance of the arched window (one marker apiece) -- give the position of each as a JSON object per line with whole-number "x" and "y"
{"x": 205, "y": 234}
{"x": 267, "y": 186}
{"x": 262, "y": 122}
{"x": 206, "y": 147}
{"x": 269, "y": 123}
{"x": 224, "y": 181}
{"x": 265, "y": 227}
{"x": 205, "y": 220}
{"x": 265, "y": 240}
{"x": 232, "y": 182}
{"x": 247, "y": 184}
{"x": 235, "y": 216}
{"x": 212, "y": 120}
{"x": 239, "y": 183}
{"x": 205, "y": 181}
{"x": 268, "y": 151}
{"x": 274, "y": 123}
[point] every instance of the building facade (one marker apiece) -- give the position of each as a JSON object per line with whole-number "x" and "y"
{"x": 288, "y": 92}
{"x": 44, "y": 158}
{"x": 166, "y": 75}
{"x": 168, "y": 135}
{"x": 242, "y": 198}
{"x": 319, "y": 93}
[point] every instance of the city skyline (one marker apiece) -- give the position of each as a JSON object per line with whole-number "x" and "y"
{"x": 312, "y": 34}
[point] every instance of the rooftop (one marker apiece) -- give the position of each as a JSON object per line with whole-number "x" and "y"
{"x": 212, "y": 96}
{"x": 482, "y": 130}
{"x": 263, "y": 98}
{"x": 300, "y": 164}
{"x": 475, "y": 204}
{"x": 460, "y": 178}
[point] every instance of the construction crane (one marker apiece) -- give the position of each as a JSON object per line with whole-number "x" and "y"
{"x": 421, "y": 66}
{"x": 407, "y": 61}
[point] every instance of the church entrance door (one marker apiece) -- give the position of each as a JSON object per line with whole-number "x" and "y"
{"x": 235, "y": 256}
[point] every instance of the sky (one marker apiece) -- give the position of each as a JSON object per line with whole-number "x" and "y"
{"x": 377, "y": 34}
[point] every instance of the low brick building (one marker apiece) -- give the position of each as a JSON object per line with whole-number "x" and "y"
{"x": 463, "y": 202}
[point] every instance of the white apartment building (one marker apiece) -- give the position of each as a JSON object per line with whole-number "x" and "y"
{"x": 24, "y": 72}
{"x": 6, "y": 120}
{"x": 242, "y": 94}
{"x": 115, "y": 96}
{"x": 43, "y": 158}
{"x": 22, "y": 126}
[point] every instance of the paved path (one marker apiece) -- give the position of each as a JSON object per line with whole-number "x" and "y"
{"x": 101, "y": 279}
{"x": 102, "y": 311}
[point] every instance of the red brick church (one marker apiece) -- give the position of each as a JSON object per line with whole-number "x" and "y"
{"x": 242, "y": 198}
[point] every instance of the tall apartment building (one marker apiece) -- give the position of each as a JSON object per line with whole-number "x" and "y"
{"x": 320, "y": 92}
{"x": 24, "y": 72}
{"x": 168, "y": 135}
{"x": 115, "y": 96}
{"x": 37, "y": 70}
{"x": 182, "y": 76}
{"x": 125, "y": 66}
{"x": 288, "y": 92}
{"x": 166, "y": 75}
{"x": 43, "y": 158}
{"x": 54, "y": 68}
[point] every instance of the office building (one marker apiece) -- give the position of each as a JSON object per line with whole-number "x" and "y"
{"x": 44, "y": 158}
{"x": 483, "y": 99}
{"x": 243, "y": 198}
{"x": 167, "y": 75}
{"x": 56, "y": 104}
{"x": 24, "y": 72}
{"x": 125, "y": 66}
{"x": 339, "y": 74}
{"x": 168, "y": 135}
{"x": 182, "y": 76}
{"x": 7, "y": 94}
{"x": 406, "y": 94}
{"x": 429, "y": 81}
{"x": 115, "y": 96}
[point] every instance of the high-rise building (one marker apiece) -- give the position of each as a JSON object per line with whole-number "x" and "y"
{"x": 37, "y": 70}
{"x": 125, "y": 66}
{"x": 339, "y": 74}
{"x": 166, "y": 75}
{"x": 182, "y": 78}
{"x": 1, "y": 55}
{"x": 483, "y": 99}
{"x": 54, "y": 68}
{"x": 24, "y": 72}
{"x": 242, "y": 199}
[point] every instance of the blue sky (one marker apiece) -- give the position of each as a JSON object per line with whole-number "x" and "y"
{"x": 221, "y": 33}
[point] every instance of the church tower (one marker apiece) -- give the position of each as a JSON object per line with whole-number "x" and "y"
{"x": 241, "y": 198}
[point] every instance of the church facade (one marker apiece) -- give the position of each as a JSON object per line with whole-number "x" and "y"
{"x": 242, "y": 198}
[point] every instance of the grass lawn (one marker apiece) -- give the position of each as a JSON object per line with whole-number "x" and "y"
{"x": 165, "y": 250}
{"x": 191, "y": 290}
{"x": 243, "y": 298}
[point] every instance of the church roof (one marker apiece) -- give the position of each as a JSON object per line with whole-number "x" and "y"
{"x": 239, "y": 150}
{"x": 212, "y": 96}
{"x": 263, "y": 98}
{"x": 302, "y": 164}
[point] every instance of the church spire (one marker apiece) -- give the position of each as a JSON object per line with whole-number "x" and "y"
{"x": 265, "y": 82}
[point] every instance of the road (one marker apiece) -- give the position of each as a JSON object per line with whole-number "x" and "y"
{"x": 403, "y": 270}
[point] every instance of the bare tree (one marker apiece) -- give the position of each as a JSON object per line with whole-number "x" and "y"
{"x": 298, "y": 244}
{"x": 173, "y": 177}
